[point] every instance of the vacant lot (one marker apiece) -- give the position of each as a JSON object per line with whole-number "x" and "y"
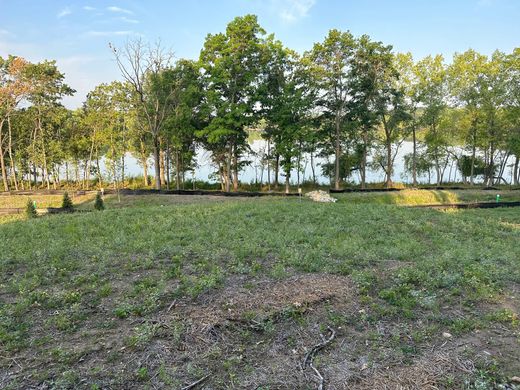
{"x": 270, "y": 293}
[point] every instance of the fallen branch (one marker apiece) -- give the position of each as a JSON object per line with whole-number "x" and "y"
{"x": 308, "y": 361}
{"x": 195, "y": 383}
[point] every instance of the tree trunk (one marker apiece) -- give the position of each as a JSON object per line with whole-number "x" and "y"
{"x": 144, "y": 162}
{"x": 67, "y": 173}
{"x": 35, "y": 175}
{"x": 414, "y": 157}
{"x": 313, "y": 169}
{"x": 2, "y": 162}
{"x": 10, "y": 150}
{"x": 100, "y": 178}
{"x": 123, "y": 169}
{"x": 287, "y": 181}
{"x": 177, "y": 170}
{"x": 337, "y": 154}
{"x": 268, "y": 165}
{"x": 473, "y": 153}
{"x": 157, "y": 161}
{"x": 162, "y": 168}
{"x": 235, "y": 169}
{"x": 364, "y": 159}
{"x": 389, "y": 162}
{"x": 515, "y": 171}
{"x": 167, "y": 161}
{"x": 228, "y": 167}
{"x": 276, "y": 170}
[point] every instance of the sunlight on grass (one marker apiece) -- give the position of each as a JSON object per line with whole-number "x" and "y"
{"x": 425, "y": 197}
{"x": 42, "y": 201}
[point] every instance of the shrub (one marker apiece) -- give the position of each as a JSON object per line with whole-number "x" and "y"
{"x": 98, "y": 203}
{"x": 30, "y": 209}
{"x": 67, "y": 204}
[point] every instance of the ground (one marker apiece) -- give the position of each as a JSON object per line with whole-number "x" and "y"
{"x": 164, "y": 291}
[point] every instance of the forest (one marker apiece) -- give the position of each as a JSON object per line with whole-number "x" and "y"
{"x": 349, "y": 98}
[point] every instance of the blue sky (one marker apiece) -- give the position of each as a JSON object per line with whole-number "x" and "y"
{"x": 76, "y": 33}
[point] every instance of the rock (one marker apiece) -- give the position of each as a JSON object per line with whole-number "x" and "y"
{"x": 320, "y": 196}
{"x": 446, "y": 335}
{"x": 515, "y": 379}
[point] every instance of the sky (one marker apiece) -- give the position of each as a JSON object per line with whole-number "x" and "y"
{"x": 76, "y": 33}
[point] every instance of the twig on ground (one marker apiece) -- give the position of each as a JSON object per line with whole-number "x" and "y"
{"x": 191, "y": 386}
{"x": 172, "y": 305}
{"x": 308, "y": 361}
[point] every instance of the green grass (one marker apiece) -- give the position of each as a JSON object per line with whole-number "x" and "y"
{"x": 422, "y": 197}
{"x": 65, "y": 274}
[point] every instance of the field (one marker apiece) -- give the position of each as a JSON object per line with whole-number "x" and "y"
{"x": 268, "y": 293}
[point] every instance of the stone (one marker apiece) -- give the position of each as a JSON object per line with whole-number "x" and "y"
{"x": 320, "y": 196}
{"x": 446, "y": 335}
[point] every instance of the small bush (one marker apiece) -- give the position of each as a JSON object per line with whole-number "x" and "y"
{"x": 30, "y": 209}
{"x": 98, "y": 203}
{"x": 66, "y": 203}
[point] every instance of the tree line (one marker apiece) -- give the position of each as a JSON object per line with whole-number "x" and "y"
{"x": 350, "y": 98}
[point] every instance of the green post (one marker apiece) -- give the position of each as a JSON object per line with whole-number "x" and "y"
{"x": 498, "y": 198}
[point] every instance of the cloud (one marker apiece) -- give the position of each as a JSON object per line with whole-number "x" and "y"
{"x": 128, "y": 20}
{"x": 119, "y": 10}
{"x": 89, "y": 8}
{"x": 293, "y": 10}
{"x": 109, "y": 33}
{"x": 64, "y": 12}
{"x": 5, "y": 32}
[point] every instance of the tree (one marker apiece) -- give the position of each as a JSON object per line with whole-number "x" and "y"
{"x": 143, "y": 66}
{"x": 30, "y": 209}
{"x": 14, "y": 86}
{"x": 370, "y": 59}
{"x": 432, "y": 94}
{"x": 106, "y": 110}
{"x": 66, "y": 203}
{"x": 47, "y": 90}
{"x": 98, "y": 203}
{"x": 286, "y": 98}
{"x": 409, "y": 82}
{"x": 392, "y": 112}
{"x": 332, "y": 68}
{"x": 231, "y": 64}
{"x": 185, "y": 118}
{"x": 466, "y": 74}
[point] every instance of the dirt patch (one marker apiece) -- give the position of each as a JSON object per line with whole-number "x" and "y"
{"x": 428, "y": 372}
{"x": 264, "y": 299}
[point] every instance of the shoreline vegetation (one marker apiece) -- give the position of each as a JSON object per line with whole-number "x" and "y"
{"x": 349, "y": 100}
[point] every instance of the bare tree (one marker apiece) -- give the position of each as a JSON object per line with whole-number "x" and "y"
{"x": 143, "y": 65}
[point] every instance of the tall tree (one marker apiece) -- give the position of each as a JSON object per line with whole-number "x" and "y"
{"x": 47, "y": 90}
{"x": 466, "y": 74}
{"x": 370, "y": 60}
{"x": 185, "y": 118}
{"x": 432, "y": 93}
{"x": 333, "y": 61}
{"x": 143, "y": 66}
{"x": 286, "y": 98}
{"x": 14, "y": 86}
{"x": 231, "y": 63}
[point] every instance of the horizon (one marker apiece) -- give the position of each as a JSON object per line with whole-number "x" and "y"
{"x": 76, "y": 33}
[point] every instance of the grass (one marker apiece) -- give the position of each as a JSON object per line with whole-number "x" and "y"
{"x": 90, "y": 297}
{"x": 422, "y": 197}
{"x": 42, "y": 201}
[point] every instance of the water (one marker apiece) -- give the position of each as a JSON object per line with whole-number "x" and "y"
{"x": 253, "y": 172}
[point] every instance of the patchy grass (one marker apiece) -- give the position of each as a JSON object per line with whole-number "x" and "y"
{"x": 42, "y": 201}
{"x": 166, "y": 290}
{"x": 422, "y": 197}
